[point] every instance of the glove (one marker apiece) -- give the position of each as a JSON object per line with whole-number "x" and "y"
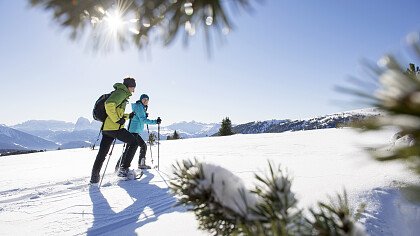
{"x": 121, "y": 121}
{"x": 158, "y": 121}
{"x": 131, "y": 115}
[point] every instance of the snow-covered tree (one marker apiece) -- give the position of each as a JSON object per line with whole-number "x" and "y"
{"x": 224, "y": 206}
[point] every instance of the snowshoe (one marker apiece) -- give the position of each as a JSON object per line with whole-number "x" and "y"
{"x": 123, "y": 172}
{"x": 131, "y": 175}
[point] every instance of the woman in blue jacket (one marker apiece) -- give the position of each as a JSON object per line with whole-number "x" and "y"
{"x": 137, "y": 126}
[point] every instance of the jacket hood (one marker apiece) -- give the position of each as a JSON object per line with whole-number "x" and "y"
{"x": 120, "y": 86}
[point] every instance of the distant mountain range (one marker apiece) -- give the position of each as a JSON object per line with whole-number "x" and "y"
{"x": 12, "y": 139}
{"x": 191, "y": 129}
{"x": 321, "y": 122}
{"x": 52, "y": 134}
{"x": 50, "y": 125}
{"x": 64, "y": 134}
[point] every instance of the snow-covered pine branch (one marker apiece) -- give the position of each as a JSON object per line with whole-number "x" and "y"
{"x": 209, "y": 195}
{"x": 335, "y": 218}
{"x": 223, "y": 206}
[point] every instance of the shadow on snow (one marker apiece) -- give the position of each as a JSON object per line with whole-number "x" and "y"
{"x": 149, "y": 202}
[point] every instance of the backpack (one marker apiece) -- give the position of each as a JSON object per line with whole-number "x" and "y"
{"x": 99, "y": 112}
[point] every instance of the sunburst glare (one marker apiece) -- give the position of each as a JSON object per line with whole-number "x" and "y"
{"x": 112, "y": 26}
{"x": 114, "y": 21}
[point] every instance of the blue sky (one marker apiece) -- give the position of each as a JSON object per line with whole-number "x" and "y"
{"x": 281, "y": 61}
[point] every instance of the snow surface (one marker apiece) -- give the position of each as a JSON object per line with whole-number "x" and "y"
{"x": 47, "y": 193}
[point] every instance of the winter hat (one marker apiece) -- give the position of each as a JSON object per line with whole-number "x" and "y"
{"x": 144, "y": 96}
{"x": 129, "y": 82}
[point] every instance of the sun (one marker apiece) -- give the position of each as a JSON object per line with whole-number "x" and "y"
{"x": 114, "y": 21}
{"x": 111, "y": 25}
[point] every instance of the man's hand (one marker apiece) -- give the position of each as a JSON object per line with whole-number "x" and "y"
{"x": 121, "y": 121}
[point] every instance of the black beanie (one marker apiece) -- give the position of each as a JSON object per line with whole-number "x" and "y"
{"x": 129, "y": 82}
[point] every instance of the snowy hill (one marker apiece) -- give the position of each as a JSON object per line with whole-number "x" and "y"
{"x": 191, "y": 129}
{"x": 53, "y": 196}
{"x": 16, "y": 140}
{"x": 321, "y": 122}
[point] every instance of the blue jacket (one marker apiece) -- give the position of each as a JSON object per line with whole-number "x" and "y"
{"x": 138, "y": 121}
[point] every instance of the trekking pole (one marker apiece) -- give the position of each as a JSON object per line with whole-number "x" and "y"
{"x": 158, "y": 141}
{"x": 117, "y": 166}
{"x": 112, "y": 149}
{"x": 110, "y": 154}
{"x": 97, "y": 139}
{"x": 150, "y": 143}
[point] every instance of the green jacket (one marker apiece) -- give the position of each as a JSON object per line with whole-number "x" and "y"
{"x": 115, "y": 107}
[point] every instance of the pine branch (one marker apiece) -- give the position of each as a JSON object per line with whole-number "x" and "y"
{"x": 336, "y": 217}
{"x": 269, "y": 209}
{"x": 146, "y": 20}
{"x": 398, "y": 95}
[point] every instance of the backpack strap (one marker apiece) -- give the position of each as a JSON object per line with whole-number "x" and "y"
{"x": 124, "y": 101}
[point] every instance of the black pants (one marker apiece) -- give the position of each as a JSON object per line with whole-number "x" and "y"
{"x": 106, "y": 142}
{"x": 143, "y": 146}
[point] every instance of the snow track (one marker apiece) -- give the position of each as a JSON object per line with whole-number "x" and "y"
{"x": 58, "y": 206}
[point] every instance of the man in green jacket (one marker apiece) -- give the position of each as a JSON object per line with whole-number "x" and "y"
{"x": 113, "y": 128}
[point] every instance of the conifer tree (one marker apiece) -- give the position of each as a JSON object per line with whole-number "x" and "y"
{"x": 175, "y": 135}
{"x": 226, "y": 127}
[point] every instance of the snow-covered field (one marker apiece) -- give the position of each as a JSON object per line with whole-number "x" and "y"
{"x": 48, "y": 193}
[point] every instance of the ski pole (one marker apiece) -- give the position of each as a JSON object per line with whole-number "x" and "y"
{"x": 117, "y": 166}
{"x": 110, "y": 154}
{"x": 150, "y": 144}
{"x": 158, "y": 141}
{"x": 112, "y": 149}
{"x": 97, "y": 138}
